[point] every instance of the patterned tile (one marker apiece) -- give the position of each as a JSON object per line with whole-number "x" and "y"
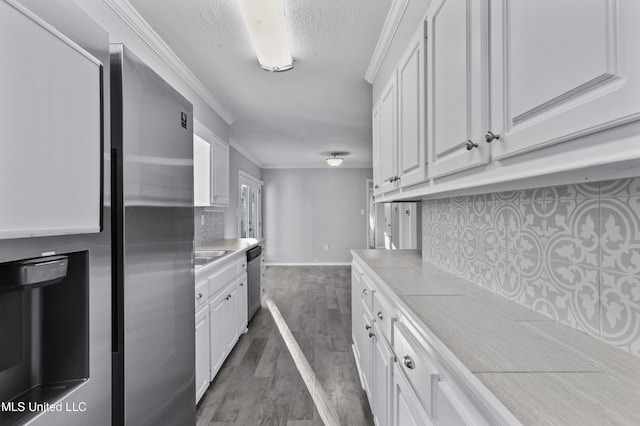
{"x": 525, "y": 227}
{"x": 620, "y": 300}
{"x": 573, "y": 290}
{"x": 573, "y": 231}
{"x": 620, "y": 188}
{"x": 620, "y": 234}
{"x": 488, "y": 269}
{"x": 569, "y": 252}
{"x": 508, "y": 196}
{"x": 525, "y": 280}
{"x": 583, "y": 190}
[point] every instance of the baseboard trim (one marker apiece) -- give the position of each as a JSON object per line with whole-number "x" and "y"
{"x": 309, "y": 264}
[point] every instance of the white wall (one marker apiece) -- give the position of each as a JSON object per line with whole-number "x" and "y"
{"x": 304, "y": 209}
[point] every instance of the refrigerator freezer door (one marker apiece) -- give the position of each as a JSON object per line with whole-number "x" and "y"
{"x": 154, "y": 370}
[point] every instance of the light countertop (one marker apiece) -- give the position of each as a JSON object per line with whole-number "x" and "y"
{"x": 543, "y": 371}
{"x": 232, "y": 244}
{"x": 236, "y": 247}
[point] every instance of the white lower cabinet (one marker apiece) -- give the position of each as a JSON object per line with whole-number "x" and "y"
{"x": 202, "y": 351}
{"x": 382, "y": 374}
{"x": 406, "y": 408}
{"x": 221, "y": 317}
{"x": 406, "y": 380}
{"x": 219, "y": 342}
{"x": 243, "y": 304}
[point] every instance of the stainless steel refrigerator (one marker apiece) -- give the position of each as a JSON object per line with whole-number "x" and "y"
{"x": 153, "y": 277}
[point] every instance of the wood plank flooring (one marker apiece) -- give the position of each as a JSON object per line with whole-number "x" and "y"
{"x": 259, "y": 383}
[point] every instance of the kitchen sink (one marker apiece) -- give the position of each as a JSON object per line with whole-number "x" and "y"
{"x": 206, "y": 256}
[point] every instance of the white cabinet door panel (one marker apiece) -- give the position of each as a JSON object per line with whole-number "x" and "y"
{"x": 411, "y": 114}
{"x": 456, "y": 85}
{"x": 202, "y": 352}
{"x": 406, "y": 409}
{"x": 375, "y": 122}
{"x": 561, "y": 70}
{"x": 388, "y": 137}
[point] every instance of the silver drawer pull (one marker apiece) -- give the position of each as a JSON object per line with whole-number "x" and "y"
{"x": 367, "y": 327}
{"x": 371, "y": 334}
{"x": 364, "y": 291}
{"x": 408, "y": 362}
{"x": 380, "y": 315}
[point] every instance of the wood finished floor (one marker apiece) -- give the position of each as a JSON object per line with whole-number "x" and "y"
{"x": 259, "y": 383}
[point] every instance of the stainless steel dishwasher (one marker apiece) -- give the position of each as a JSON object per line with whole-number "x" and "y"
{"x": 253, "y": 278}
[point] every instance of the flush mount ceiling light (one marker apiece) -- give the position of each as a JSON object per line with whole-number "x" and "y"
{"x": 334, "y": 161}
{"x": 264, "y": 20}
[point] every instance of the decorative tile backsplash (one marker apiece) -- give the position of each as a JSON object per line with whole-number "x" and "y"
{"x": 212, "y": 228}
{"x": 569, "y": 252}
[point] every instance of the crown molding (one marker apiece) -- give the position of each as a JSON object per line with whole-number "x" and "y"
{"x": 242, "y": 150}
{"x": 391, "y": 24}
{"x": 132, "y": 18}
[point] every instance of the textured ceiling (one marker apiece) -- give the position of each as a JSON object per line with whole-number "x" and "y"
{"x": 289, "y": 119}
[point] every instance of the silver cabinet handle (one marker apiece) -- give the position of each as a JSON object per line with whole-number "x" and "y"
{"x": 241, "y": 284}
{"x": 199, "y": 296}
{"x": 380, "y": 315}
{"x": 364, "y": 291}
{"x": 376, "y": 187}
{"x": 469, "y": 144}
{"x": 490, "y": 136}
{"x": 367, "y": 327}
{"x": 408, "y": 362}
{"x": 371, "y": 334}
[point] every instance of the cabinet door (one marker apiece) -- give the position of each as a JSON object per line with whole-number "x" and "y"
{"x": 406, "y": 408}
{"x": 231, "y": 311}
{"x": 218, "y": 333}
{"x": 366, "y": 356}
{"x": 456, "y": 85}
{"x": 388, "y": 137}
{"x": 201, "y": 171}
{"x": 202, "y": 352}
{"x": 375, "y": 123}
{"x": 243, "y": 304}
{"x": 412, "y": 148}
{"x": 382, "y": 367}
{"x": 560, "y": 70}
{"x": 220, "y": 188}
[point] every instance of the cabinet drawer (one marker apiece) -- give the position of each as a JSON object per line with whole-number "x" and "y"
{"x": 384, "y": 315}
{"x": 202, "y": 292}
{"x": 451, "y": 406}
{"x": 367, "y": 291}
{"x": 225, "y": 275}
{"x": 415, "y": 361}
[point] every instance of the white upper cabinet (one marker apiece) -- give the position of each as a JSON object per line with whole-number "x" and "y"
{"x": 456, "y": 84}
{"x": 560, "y": 70}
{"x": 412, "y": 149}
{"x": 210, "y": 172}
{"x": 220, "y": 184}
{"x": 375, "y": 121}
{"x": 388, "y": 137}
{"x": 201, "y": 171}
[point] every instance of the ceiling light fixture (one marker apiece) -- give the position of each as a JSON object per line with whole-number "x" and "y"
{"x": 334, "y": 161}
{"x": 264, "y": 20}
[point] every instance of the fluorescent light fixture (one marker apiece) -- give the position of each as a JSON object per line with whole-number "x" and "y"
{"x": 334, "y": 161}
{"x": 264, "y": 20}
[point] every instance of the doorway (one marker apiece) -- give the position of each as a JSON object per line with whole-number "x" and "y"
{"x": 249, "y": 206}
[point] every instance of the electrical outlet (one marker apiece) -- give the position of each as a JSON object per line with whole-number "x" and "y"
{"x": 326, "y": 247}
